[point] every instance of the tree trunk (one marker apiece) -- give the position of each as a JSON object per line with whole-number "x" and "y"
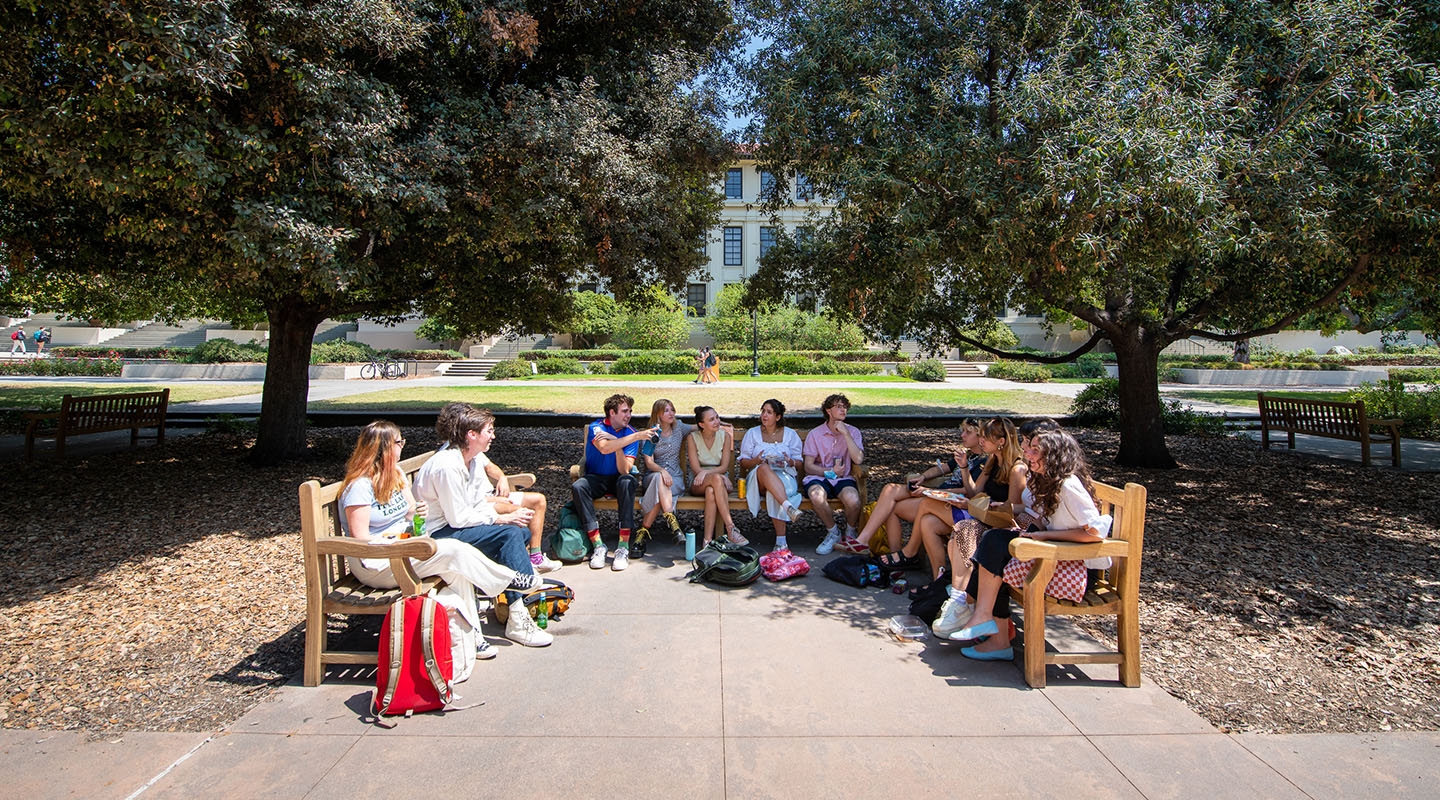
{"x": 287, "y": 381}
{"x": 1142, "y": 427}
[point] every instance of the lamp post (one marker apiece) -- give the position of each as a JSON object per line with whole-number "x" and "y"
{"x": 754, "y": 343}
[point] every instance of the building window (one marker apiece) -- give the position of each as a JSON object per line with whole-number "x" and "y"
{"x": 802, "y": 188}
{"x": 767, "y": 185}
{"x": 695, "y": 298}
{"x": 767, "y": 240}
{"x": 734, "y": 185}
{"x": 733, "y": 250}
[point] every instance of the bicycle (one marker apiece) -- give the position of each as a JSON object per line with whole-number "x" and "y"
{"x": 382, "y": 368}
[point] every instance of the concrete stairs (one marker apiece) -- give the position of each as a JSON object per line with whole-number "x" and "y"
{"x": 187, "y": 333}
{"x": 469, "y": 368}
{"x": 962, "y": 369}
{"x": 506, "y": 349}
{"x": 330, "y": 330}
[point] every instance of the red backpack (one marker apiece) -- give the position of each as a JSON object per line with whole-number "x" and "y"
{"x": 414, "y": 672}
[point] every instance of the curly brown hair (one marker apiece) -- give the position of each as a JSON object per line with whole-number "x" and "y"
{"x": 1060, "y": 457}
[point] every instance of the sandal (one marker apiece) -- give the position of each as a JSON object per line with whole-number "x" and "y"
{"x": 899, "y": 561}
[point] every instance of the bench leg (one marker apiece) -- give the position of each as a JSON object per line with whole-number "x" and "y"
{"x": 1264, "y": 437}
{"x": 314, "y": 647}
{"x": 1365, "y": 450}
{"x": 1127, "y": 628}
{"x": 1395, "y": 449}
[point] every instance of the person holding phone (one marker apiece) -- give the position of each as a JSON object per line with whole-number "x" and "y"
{"x": 831, "y": 451}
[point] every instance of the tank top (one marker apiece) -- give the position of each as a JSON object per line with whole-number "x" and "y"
{"x": 711, "y": 456}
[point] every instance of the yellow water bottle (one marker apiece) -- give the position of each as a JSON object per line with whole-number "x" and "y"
{"x": 740, "y": 488}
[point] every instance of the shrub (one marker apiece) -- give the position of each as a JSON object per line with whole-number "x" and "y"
{"x": 226, "y": 351}
{"x": 89, "y": 367}
{"x": 674, "y": 364}
{"x": 786, "y": 364}
{"x": 514, "y": 368}
{"x": 599, "y": 367}
{"x": 856, "y": 368}
{"x": 928, "y": 370}
{"x": 1416, "y": 374}
{"x": 340, "y": 351}
{"x": 1181, "y": 419}
{"x": 1097, "y": 405}
{"x": 559, "y": 366}
{"x": 1417, "y": 409}
{"x": 423, "y": 355}
{"x": 652, "y": 319}
{"x": 72, "y": 351}
{"x": 1019, "y": 371}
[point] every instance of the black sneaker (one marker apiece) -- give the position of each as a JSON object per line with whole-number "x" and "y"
{"x": 638, "y": 542}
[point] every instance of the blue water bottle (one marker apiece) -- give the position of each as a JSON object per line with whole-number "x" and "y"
{"x": 689, "y": 545}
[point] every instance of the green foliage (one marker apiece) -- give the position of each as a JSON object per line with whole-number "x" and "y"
{"x": 340, "y": 351}
{"x": 74, "y": 351}
{"x": 514, "y": 368}
{"x": 1416, "y": 374}
{"x": 559, "y": 366}
{"x": 781, "y": 326}
{"x": 653, "y": 320}
{"x": 1417, "y": 407}
{"x": 90, "y": 367}
{"x": 226, "y": 351}
{"x": 595, "y": 319}
{"x": 1020, "y": 371}
{"x": 1098, "y": 406}
{"x": 290, "y": 162}
{"x": 1134, "y": 167}
{"x": 423, "y": 355}
{"x": 929, "y": 370}
{"x": 436, "y": 330}
{"x": 1090, "y": 365}
{"x": 673, "y": 364}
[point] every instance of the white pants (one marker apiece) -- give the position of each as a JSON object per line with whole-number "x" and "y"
{"x": 463, "y": 567}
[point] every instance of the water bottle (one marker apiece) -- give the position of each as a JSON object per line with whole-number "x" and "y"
{"x": 542, "y": 619}
{"x": 417, "y": 526}
{"x": 740, "y": 488}
{"x": 689, "y": 545}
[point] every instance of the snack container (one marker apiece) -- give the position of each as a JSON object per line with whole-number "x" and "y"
{"x": 909, "y": 628}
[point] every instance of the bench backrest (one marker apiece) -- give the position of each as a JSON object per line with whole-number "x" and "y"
{"x": 320, "y": 517}
{"x": 1331, "y": 417}
{"x": 1127, "y": 506}
{"x": 103, "y": 412}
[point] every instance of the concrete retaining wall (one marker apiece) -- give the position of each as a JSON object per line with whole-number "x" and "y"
{"x": 1283, "y": 377}
{"x": 231, "y": 372}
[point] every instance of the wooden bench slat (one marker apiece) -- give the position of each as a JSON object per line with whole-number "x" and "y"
{"x": 100, "y": 414}
{"x": 1330, "y": 419}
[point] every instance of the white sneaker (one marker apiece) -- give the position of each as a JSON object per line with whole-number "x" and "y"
{"x": 954, "y": 614}
{"x": 544, "y": 563}
{"x": 597, "y": 558}
{"x": 521, "y": 629}
{"x": 485, "y": 651}
{"x": 831, "y": 537}
{"x": 621, "y": 560}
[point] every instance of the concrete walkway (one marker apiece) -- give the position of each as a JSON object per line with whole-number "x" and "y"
{"x": 659, "y": 688}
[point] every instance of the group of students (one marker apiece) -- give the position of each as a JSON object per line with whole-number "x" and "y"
{"x": 489, "y": 537}
{"x": 773, "y": 459}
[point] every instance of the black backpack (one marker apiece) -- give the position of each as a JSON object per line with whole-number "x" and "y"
{"x": 726, "y": 564}
{"x": 857, "y": 571}
{"x": 927, "y": 602}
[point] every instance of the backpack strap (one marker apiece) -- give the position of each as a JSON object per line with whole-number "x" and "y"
{"x": 397, "y": 651}
{"x": 427, "y": 639}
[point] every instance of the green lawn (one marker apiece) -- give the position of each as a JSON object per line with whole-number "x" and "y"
{"x": 724, "y": 379}
{"x": 729, "y": 400}
{"x": 46, "y": 397}
{"x": 1246, "y": 397}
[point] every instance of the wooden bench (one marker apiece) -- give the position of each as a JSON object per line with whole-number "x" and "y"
{"x": 100, "y": 413}
{"x": 1327, "y": 418}
{"x": 1117, "y": 593}
{"x": 329, "y": 586}
{"x": 690, "y": 502}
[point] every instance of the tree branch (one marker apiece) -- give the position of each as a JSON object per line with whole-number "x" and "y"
{"x": 957, "y": 335}
{"x": 1283, "y": 322}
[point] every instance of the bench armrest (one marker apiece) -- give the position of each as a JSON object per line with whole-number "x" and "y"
{"x": 1389, "y": 423}
{"x": 1026, "y": 549}
{"x": 35, "y": 416}
{"x": 419, "y": 547}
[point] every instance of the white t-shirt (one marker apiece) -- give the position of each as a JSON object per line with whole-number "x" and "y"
{"x": 1074, "y": 508}
{"x": 385, "y": 518}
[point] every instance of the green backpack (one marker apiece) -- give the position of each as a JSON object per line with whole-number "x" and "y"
{"x": 569, "y": 540}
{"x": 726, "y": 564}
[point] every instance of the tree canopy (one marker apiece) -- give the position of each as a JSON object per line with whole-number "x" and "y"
{"x": 291, "y": 160}
{"x": 1154, "y": 170}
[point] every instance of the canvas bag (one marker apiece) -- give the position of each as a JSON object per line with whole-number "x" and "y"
{"x": 570, "y": 542}
{"x": 414, "y": 670}
{"x": 859, "y": 571}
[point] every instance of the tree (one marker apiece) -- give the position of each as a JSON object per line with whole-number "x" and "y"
{"x": 1154, "y": 170}
{"x": 652, "y": 319}
{"x": 782, "y": 326}
{"x": 594, "y": 320}
{"x": 292, "y": 160}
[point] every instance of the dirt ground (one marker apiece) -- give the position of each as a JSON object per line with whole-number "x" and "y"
{"x": 162, "y": 589}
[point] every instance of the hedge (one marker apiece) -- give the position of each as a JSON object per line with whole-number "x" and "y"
{"x": 1019, "y": 371}
{"x": 88, "y": 367}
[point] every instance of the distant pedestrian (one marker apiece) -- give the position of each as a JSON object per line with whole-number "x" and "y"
{"x": 712, "y": 367}
{"x": 17, "y": 341}
{"x": 42, "y": 338}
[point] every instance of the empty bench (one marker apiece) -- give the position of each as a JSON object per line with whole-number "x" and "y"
{"x": 99, "y": 413}
{"x": 1328, "y": 418}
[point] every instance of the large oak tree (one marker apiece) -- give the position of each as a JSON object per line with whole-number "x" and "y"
{"x": 1153, "y": 170}
{"x": 292, "y": 160}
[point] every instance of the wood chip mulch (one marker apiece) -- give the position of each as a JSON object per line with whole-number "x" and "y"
{"x": 161, "y": 589}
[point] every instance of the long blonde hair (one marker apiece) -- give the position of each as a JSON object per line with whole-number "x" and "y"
{"x": 1005, "y": 458}
{"x": 658, "y": 409}
{"x": 374, "y": 458}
